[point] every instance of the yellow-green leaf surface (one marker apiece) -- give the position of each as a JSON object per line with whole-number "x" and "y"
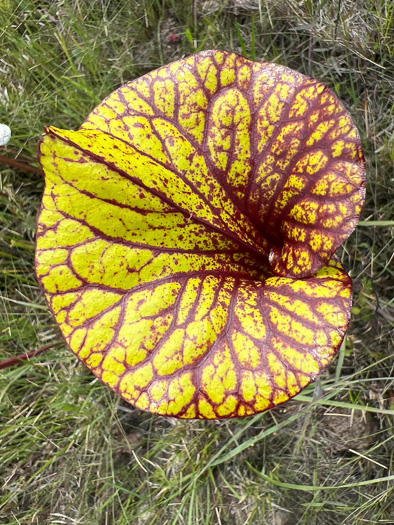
{"x": 187, "y": 230}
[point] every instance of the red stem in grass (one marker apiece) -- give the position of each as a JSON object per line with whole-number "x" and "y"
{"x": 20, "y": 165}
{"x": 19, "y": 359}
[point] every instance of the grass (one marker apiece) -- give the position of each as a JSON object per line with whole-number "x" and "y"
{"x": 71, "y": 452}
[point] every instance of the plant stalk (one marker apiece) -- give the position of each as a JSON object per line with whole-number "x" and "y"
{"x": 19, "y": 359}
{"x": 20, "y": 165}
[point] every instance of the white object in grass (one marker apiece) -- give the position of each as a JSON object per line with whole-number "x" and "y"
{"x": 5, "y": 134}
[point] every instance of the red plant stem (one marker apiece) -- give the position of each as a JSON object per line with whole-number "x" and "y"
{"x": 20, "y": 165}
{"x": 19, "y": 359}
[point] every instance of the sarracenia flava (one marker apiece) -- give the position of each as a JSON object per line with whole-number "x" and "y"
{"x": 187, "y": 234}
